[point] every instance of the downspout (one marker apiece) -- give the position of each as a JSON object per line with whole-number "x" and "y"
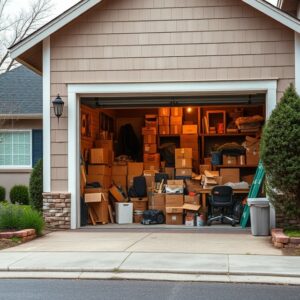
{"x": 297, "y": 56}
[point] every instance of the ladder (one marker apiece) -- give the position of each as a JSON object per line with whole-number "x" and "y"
{"x": 253, "y": 193}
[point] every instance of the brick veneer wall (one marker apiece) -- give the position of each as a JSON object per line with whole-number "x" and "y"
{"x": 283, "y": 222}
{"x": 57, "y": 210}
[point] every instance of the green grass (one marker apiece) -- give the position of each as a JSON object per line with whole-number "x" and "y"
{"x": 16, "y": 217}
{"x": 292, "y": 232}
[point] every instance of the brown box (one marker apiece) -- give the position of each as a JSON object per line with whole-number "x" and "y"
{"x": 98, "y": 203}
{"x": 176, "y": 111}
{"x": 151, "y": 120}
{"x": 183, "y": 153}
{"x": 248, "y": 178}
{"x": 152, "y": 157}
{"x": 152, "y": 166}
{"x": 149, "y": 139}
{"x": 207, "y": 160}
{"x": 230, "y": 175}
{"x": 139, "y": 203}
{"x": 174, "y": 218}
{"x": 170, "y": 171}
{"x": 119, "y": 170}
{"x": 149, "y": 131}
{"x": 192, "y": 199}
{"x": 183, "y": 163}
{"x": 94, "y": 190}
{"x": 163, "y": 121}
{"x": 164, "y": 111}
{"x": 100, "y": 156}
{"x": 203, "y": 168}
{"x": 175, "y": 120}
{"x": 188, "y": 139}
{"x": 120, "y": 180}
{"x": 137, "y": 218}
{"x": 130, "y": 180}
{"x": 184, "y": 172}
{"x": 174, "y": 200}
{"x": 150, "y": 148}
{"x": 189, "y": 129}
{"x": 150, "y": 177}
{"x": 99, "y": 170}
{"x": 175, "y": 129}
{"x": 229, "y": 160}
{"x": 252, "y": 154}
{"x": 157, "y": 200}
{"x": 116, "y": 194}
{"x": 135, "y": 168}
{"x": 107, "y": 144}
{"x": 105, "y": 181}
{"x": 164, "y": 129}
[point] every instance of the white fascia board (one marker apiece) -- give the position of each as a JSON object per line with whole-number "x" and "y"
{"x": 275, "y": 14}
{"x": 52, "y": 27}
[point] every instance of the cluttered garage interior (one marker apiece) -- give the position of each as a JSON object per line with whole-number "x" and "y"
{"x": 185, "y": 161}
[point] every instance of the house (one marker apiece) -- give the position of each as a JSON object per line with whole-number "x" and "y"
{"x": 21, "y": 125}
{"x": 141, "y": 53}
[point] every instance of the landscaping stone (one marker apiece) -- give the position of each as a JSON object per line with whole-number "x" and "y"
{"x": 295, "y": 240}
{"x": 281, "y": 240}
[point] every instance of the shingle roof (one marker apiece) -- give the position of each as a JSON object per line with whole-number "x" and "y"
{"x": 21, "y": 92}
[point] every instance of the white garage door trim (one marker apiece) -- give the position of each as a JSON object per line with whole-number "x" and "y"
{"x": 75, "y": 91}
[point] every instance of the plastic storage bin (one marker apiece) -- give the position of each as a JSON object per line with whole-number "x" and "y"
{"x": 260, "y": 216}
{"x": 124, "y": 212}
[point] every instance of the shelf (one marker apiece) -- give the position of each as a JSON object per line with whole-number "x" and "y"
{"x": 235, "y": 166}
{"x": 169, "y": 135}
{"x": 229, "y": 134}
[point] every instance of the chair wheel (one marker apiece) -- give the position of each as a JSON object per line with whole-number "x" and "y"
{"x": 233, "y": 223}
{"x": 208, "y": 223}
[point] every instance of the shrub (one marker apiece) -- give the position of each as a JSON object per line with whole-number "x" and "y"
{"x": 19, "y": 194}
{"x": 36, "y": 186}
{"x": 16, "y": 217}
{"x": 280, "y": 148}
{"x": 2, "y": 193}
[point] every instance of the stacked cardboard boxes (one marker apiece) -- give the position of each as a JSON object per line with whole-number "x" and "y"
{"x": 139, "y": 206}
{"x": 183, "y": 162}
{"x": 119, "y": 175}
{"x": 157, "y": 201}
{"x": 191, "y": 141}
{"x": 134, "y": 169}
{"x": 170, "y": 120}
{"x": 176, "y": 120}
{"x": 99, "y": 169}
{"x": 164, "y": 120}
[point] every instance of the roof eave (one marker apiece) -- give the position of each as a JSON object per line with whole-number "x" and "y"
{"x": 51, "y": 27}
{"x": 275, "y": 13}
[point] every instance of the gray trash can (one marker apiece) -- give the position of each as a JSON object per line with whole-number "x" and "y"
{"x": 260, "y": 216}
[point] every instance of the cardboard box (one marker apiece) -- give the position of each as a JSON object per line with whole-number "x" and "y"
{"x": 116, "y": 193}
{"x": 207, "y": 160}
{"x": 175, "y": 120}
{"x": 184, "y": 172}
{"x": 150, "y": 148}
{"x": 150, "y": 139}
{"x": 190, "y": 139}
{"x": 183, "y": 163}
{"x": 230, "y": 175}
{"x": 157, "y": 200}
{"x": 150, "y": 177}
{"x": 119, "y": 170}
{"x": 149, "y": 131}
{"x": 137, "y": 218}
{"x": 135, "y": 168}
{"x": 164, "y": 129}
{"x": 175, "y": 129}
{"x": 183, "y": 153}
{"x": 107, "y": 144}
{"x": 93, "y": 197}
{"x": 189, "y": 129}
{"x": 174, "y": 200}
{"x": 89, "y": 190}
{"x": 163, "y": 121}
{"x": 120, "y": 180}
{"x": 152, "y": 166}
{"x": 174, "y": 218}
{"x": 100, "y": 156}
{"x": 252, "y": 153}
{"x": 203, "y": 168}
{"x": 229, "y": 160}
{"x": 98, "y": 203}
{"x": 191, "y": 207}
{"x": 175, "y": 186}
{"x": 151, "y": 120}
{"x": 152, "y": 157}
{"x": 192, "y": 199}
{"x": 140, "y": 203}
{"x": 171, "y": 172}
{"x": 105, "y": 181}
{"x": 130, "y": 180}
{"x": 176, "y": 111}
{"x": 99, "y": 170}
{"x": 248, "y": 178}
{"x": 174, "y": 210}
{"x": 164, "y": 111}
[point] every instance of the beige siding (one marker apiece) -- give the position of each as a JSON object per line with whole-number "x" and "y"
{"x": 165, "y": 40}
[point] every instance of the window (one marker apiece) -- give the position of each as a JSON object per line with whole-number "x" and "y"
{"x": 15, "y": 149}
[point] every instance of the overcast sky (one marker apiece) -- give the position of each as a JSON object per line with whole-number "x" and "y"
{"x": 60, "y": 5}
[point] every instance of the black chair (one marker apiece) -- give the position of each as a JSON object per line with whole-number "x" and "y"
{"x": 221, "y": 199}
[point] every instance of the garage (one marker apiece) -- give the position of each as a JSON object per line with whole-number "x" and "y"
{"x": 165, "y": 153}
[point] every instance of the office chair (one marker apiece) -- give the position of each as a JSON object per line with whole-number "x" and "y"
{"x": 221, "y": 198}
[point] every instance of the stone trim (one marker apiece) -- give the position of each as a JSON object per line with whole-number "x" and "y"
{"x": 57, "y": 210}
{"x": 280, "y": 240}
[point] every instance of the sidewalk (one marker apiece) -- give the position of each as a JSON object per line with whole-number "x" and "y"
{"x": 152, "y": 256}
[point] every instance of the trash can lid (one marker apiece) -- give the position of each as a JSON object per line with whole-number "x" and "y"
{"x": 258, "y": 201}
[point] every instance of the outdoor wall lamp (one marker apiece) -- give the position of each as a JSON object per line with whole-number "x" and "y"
{"x": 58, "y": 106}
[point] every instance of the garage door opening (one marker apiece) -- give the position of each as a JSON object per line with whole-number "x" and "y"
{"x": 188, "y": 144}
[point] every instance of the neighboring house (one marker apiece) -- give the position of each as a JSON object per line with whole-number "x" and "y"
{"x": 146, "y": 47}
{"x": 20, "y": 125}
